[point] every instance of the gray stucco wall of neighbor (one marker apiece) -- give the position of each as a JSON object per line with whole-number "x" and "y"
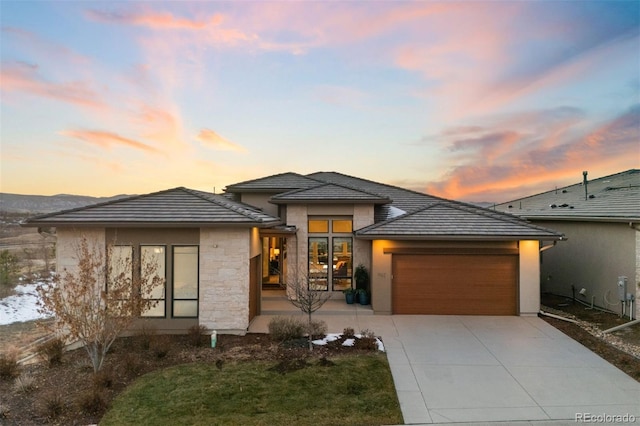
{"x": 593, "y": 258}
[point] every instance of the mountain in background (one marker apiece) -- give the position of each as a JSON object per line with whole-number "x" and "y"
{"x": 33, "y": 204}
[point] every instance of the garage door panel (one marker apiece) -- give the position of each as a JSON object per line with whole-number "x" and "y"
{"x": 455, "y": 284}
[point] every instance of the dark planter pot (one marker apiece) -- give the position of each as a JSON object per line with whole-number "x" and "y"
{"x": 363, "y": 298}
{"x": 350, "y": 298}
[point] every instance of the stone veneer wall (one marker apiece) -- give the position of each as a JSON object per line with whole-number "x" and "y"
{"x": 637, "y": 282}
{"x": 224, "y": 279}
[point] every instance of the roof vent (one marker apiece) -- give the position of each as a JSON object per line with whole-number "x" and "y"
{"x": 592, "y": 196}
{"x": 564, "y": 205}
{"x": 553, "y": 206}
{"x": 584, "y": 182}
{"x": 564, "y": 191}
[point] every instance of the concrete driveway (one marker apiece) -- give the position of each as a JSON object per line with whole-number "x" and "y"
{"x": 450, "y": 369}
{"x": 489, "y": 369}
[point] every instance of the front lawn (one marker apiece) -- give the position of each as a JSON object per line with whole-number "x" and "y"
{"x": 346, "y": 390}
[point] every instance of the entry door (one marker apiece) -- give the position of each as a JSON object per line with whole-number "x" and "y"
{"x": 274, "y": 251}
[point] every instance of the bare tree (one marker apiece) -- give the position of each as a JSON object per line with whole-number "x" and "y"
{"x": 303, "y": 296}
{"x": 101, "y": 298}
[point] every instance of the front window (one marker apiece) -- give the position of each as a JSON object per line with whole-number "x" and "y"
{"x": 185, "y": 281}
{"x": 330, "y": 254}
{"x": 154, "y": 257}
{"x": 120, "y": 271}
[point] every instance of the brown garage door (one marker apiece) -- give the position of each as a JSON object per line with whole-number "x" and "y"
{"x": 455, "y": 284}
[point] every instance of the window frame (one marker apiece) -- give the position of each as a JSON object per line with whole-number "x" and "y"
{"x": 164, "y": 286}
{"x": 173, "y": 276}
{"x": 329, "y": 237}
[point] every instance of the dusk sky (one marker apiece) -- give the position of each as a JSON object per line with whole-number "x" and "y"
{"x": 476, "y": 100}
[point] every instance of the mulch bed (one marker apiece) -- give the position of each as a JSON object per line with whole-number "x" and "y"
{"x": 70, "y": 394}
{"x": 624, "y": 361}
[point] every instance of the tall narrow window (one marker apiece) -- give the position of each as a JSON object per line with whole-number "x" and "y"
{"x": 342, "y": 263}
{"x": 318, "y": 263}
{"x": 120, "y": 269}
{"x": 185, "y": 281}
{"x": 155, "y": 257}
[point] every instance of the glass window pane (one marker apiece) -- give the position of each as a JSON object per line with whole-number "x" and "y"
{"x": 152, "y": 258}
{"x": 344, "y": 226}
{"x": 318, "y": 226}
{"x": 342, "y": 263}
{"x": 185, "y": 308}
{"x": 156, "y": 311}
{"x": 319, "y": 263}
{"x": 185, "y": 272}
{"x": 120, "y": 267}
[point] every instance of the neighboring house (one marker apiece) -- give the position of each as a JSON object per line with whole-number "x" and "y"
{"x": 601, "y": 219}
{"x": 426, "y": 255}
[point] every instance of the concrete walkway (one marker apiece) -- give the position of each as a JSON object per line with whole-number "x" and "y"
{"x": 456, "y": 369}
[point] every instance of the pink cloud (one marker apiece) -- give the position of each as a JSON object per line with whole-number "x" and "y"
{"x": 153, "y": 19}
{"x": 499, "y": 164}
{"x": 107, "y": 140}
{"x": 211, "y": 139}
{"x": 21, "y": 77}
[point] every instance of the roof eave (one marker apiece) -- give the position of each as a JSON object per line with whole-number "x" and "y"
{"x": 448, "y": 237}
{"x": 582, "y": 218}
{"x": 156, "y": 224}
{"x": 329, "y": 201}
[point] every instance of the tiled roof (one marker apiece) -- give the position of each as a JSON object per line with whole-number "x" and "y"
{"x": 174, "y": 207}
{"x": 403, "y": 199}
{"x": 450, "y": 221}
{"x": 276, "y": 183}
{"x": 610, "y": 198}
{"x": 327, "y": 193}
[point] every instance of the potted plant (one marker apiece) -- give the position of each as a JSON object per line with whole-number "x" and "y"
{"x": 350, "y": 295}
{"x": 363, "y": 296}
{"x": 361, "y": 277}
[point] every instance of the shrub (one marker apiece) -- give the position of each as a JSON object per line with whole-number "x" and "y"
{"x": 317, "y": 329}
{"x": 286, "y": 328}
{"x": 9, "y": 367}
{"x": 147, "y": 335}
{"x": 102, "y": 379}
{"x": 24, "y": 384}
{"x": 198, "y": 335}
{"x": 367, "y": 341}
{"x": 349, "y": 333}
{"x": 131, "y": 365}
{"x": 4, "y": 411}
{"x": 52, "y": 351}
{"x": 160, "y": 345}
{"x": 93, "y": 402}
{"x": 53, "y": 404}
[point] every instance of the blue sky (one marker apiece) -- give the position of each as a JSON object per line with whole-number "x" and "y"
{"x": 478, "y": 101}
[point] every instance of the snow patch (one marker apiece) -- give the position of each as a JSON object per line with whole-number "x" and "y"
{"x": 22, "y": 306}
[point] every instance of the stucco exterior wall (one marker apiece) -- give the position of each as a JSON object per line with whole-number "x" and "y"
{"x": 67, "y": 244}
{"x": 224, "y": 279}
{"x": 593, "y": 257}
{"x": 529, "y": 275}
{"x": 362, "y": 216}
{"x": 261, "y": 200}
{"x": 529, "y": 270}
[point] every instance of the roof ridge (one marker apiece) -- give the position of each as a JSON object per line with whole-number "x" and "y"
{"x": 270, "y": 177}
{"x": 423, "y": 194}
{"x": 324, "y": 183}
{"x": 224, "y": 202}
